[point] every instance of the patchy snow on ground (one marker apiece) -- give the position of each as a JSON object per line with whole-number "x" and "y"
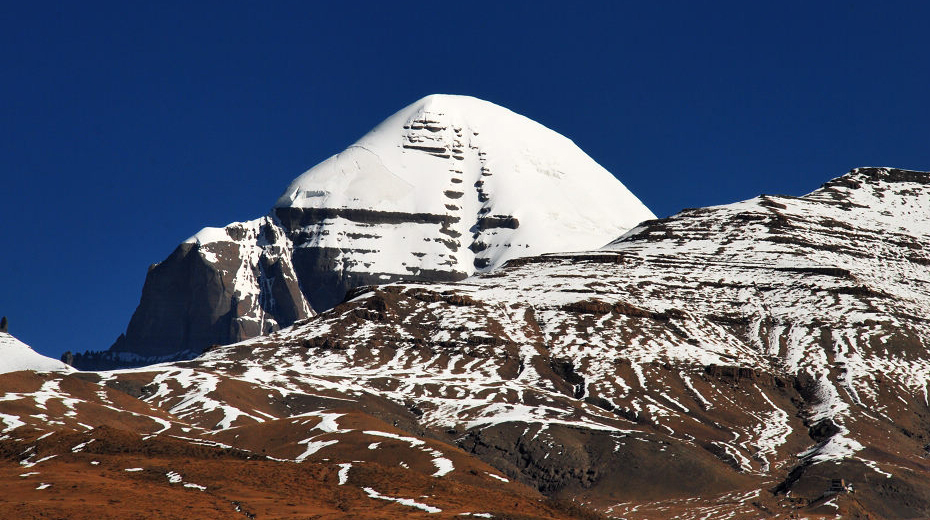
{"x": 403, "y": 501}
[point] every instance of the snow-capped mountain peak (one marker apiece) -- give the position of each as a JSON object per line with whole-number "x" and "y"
{"x": 445, "y": 188}
{"x": 498, "y": 185}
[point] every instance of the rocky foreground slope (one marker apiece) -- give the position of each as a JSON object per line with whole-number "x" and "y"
{"x": 446, "y": 187}
{"x": 757, "y": 359}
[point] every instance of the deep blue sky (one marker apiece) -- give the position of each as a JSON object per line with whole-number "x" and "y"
{"x": 126, "y": 127}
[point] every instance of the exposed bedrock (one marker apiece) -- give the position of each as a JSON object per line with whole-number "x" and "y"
{"x": 326, "y": 279}
{"x": 566, "y": 460}
{"x": 185, "y": 305}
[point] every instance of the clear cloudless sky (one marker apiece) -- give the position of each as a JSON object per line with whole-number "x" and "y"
{"x": 125, "y": 127}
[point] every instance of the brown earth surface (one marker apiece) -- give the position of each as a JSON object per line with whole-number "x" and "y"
{"x": 123, "y": 475}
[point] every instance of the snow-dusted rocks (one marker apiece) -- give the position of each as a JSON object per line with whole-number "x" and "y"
{"x": 16, "y": 355}
{"x": 446, "y": 187}
{"x": 780, "y": 341}
{"x": 220, "y": 285}
{"x": 757, "y": 359}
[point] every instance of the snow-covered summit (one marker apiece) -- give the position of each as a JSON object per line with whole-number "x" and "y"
{"x": 16, "y": 355}
{"x": 480, "y": 165}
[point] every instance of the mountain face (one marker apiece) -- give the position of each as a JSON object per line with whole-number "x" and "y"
{"x": 760, "y": 359}
{"x": 445, "y": 188}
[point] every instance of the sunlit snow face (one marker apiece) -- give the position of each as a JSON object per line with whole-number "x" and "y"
{"x": 467, "y": 160}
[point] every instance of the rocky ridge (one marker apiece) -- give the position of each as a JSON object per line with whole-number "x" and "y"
{"x": 775, "y": 347}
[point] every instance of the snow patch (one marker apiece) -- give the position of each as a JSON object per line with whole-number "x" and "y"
{"x": 16, "y": 355}
{"x": 403, "y": 501}
{"x": 344, "y": 472}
